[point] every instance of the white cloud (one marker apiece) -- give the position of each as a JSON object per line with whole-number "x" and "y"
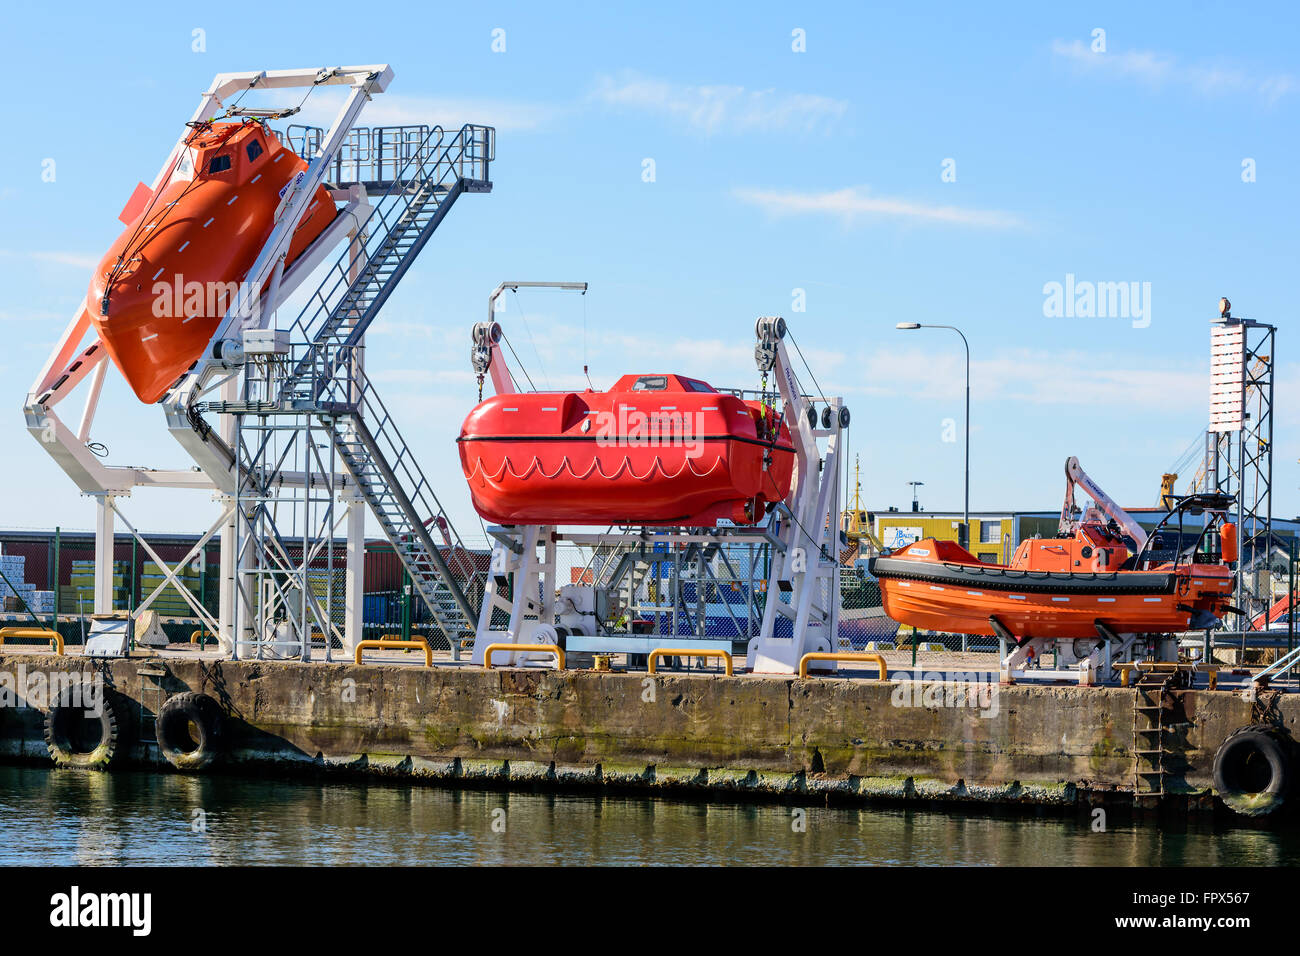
{"x": 707, "y": 108}
{"x": 716, "y": 108}
{"x": 396, "y": 109}
{"x": 79, "y": 260}
{"x": 423, "y": 376}
{"x": 35, "y": 316}
{"x": 854, "y": 203}
{"x": 902, "y": 370}
{"x": 1160, "y": 69}
{"x": 388, "y": 110}
{"x": 1033, "y": 377}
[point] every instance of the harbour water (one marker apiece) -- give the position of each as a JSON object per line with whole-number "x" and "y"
{"x": 136, "y": 818}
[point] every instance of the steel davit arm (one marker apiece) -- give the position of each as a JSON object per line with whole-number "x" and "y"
{"x": 485, "y": 355}
{"x": 1075, "y": 475}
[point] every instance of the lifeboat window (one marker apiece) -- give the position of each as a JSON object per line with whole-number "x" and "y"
{"x": 650, "y": 383}
{"x": 693, "y": 385}
{"x": 219, "y": 164}
{"x": 254, "y": 150}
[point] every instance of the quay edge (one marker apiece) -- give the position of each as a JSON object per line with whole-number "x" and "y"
{"x": 746, "y": 737}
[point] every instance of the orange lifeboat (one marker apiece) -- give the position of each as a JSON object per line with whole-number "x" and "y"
{"x": 1063, "y": 587}
{"x": 162, "y": 288}
{"x": 653, "y": 450}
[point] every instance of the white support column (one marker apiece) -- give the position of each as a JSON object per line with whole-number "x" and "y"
{"x": 548, "y": 582}
{"x": 355, "y": 585}
{"x": 814, "y": 515}
{"x": 226, "y": 584}
{"x": 103, "y": 554}
{"x": 525, "y": 573}
{"x": 230, "y": 390}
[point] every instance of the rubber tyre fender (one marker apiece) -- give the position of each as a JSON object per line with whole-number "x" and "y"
{"x": 60, "y": 719}
{"x": 1260, "y": 745}
{"x": 171, "y": 727}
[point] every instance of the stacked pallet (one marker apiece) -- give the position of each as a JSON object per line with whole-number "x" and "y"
{"x": 322, "y": 583}
{"x": 170, "y": 602}
{"x": 17, "y": 594}
{"x": 79, "y": 596}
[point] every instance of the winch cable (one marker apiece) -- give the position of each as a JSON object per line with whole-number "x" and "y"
{"x": 585, "y": 371}
{"x": 531, "y": 341}
{"x": 252, "y": 83}
{"x": 506, "y": 339}
{"x": 804, "y": 531}
{"x": 122, "y": 259}
{"x": 806, "y": 366}
{"x": 296, "y": 109}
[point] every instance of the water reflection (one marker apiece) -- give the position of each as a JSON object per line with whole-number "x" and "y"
{"x": 69, "y": 817}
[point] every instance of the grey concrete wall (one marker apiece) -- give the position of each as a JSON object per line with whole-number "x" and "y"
{"x": 1030, "y": 744}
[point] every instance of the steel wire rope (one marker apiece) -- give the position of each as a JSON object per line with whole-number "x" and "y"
{"x": 122, "y": 260}
{"x": 506, "y": 339}
{"x": 585, "y": 368}
{"x": 531, "y": 341}
{"x": 806, "y": 366}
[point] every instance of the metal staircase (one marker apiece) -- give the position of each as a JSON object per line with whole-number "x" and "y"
{"x": 420, "y": 194}
{"x": 404, "y": 503}
{"x": 324, "y": 378}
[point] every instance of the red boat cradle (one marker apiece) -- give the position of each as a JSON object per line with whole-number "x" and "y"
{"x": 653, "y": 450}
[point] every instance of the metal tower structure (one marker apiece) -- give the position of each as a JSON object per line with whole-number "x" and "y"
{"x": 308, "y": 404}
{"x": 1239, "y": 446}
{"x": 299, "y": 443}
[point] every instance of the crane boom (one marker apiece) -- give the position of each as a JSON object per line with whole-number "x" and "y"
{"x": 1075, "y": 475}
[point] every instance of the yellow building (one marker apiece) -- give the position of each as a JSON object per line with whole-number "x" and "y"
{"x": 994, "y": 535}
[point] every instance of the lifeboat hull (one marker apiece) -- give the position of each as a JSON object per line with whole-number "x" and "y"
{"x": 938, "y": 586}
{"x": 681, "y": 455}
{"x": 162, "y": 288}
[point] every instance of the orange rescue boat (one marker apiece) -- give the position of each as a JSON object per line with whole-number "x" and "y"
{"x": 653, "y": 450}
{"x": 162, "y": 288}
{"x": 1091, "y": 579}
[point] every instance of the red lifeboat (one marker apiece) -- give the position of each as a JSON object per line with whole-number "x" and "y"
{"x": 164, "y": 285}
{"x": 653, "y": 450}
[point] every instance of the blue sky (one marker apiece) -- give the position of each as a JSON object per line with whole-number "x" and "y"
{"x": 775, "y": 171}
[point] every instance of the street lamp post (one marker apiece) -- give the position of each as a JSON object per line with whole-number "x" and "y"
{"x": 908, "y": 327}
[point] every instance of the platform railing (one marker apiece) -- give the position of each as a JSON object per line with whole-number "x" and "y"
{"x": 1279, "y": 666}
{"x": 409, "y": 473}
{"x": 421, "y": 191}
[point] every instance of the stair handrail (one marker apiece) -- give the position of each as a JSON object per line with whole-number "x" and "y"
{"x": 373, "y": 410}
{"x": 471, "y": 146}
